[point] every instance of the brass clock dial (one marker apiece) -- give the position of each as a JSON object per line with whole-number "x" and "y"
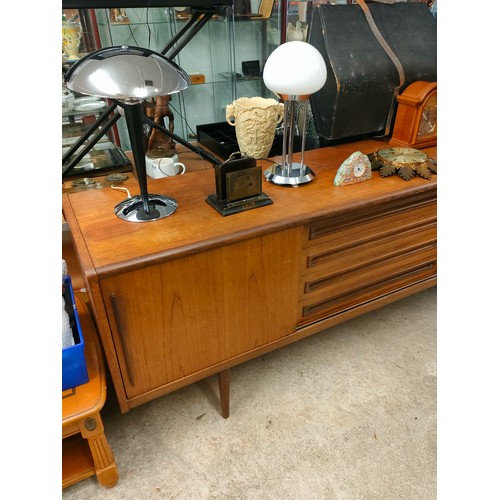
{"x": 242, "y": 184}
{"x": 403, "y": 156}
{"x": 407, "y": 162}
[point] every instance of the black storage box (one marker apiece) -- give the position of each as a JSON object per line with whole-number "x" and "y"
{"x": 359, "y": 95}
{"x": 218, "y": 137}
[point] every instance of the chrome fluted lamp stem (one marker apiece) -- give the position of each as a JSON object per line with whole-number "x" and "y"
{"x": 287, "y": 113}
{"x": 290, "y": 129}
{"x": 303, "y": 145}
{"x": 291, "y": 173}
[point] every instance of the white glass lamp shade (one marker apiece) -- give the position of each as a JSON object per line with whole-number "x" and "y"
{"x": 295, "y": 69}
{"x": 124, "y": 73}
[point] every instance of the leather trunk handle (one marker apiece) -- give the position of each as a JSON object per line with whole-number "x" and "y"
{"x": 388, "y": 51}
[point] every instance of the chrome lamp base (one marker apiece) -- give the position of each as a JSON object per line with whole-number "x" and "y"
{"x": 133, "y": 209}
{"x": 294, "y": 176}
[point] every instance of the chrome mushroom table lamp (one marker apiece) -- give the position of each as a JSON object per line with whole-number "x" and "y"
{"x": 130, "y": 75}
{"x": 293, "y": 71}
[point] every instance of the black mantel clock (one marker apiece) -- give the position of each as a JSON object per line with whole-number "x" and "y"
{"x": 238, "y": 183}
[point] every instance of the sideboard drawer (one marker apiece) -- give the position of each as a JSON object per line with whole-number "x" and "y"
{"x": 348, "y": 262}
{"x": 352, "y": 228}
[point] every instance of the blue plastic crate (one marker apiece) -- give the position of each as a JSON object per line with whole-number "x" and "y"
{"x": 74, "y": 366}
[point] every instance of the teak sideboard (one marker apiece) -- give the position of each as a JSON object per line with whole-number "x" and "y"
{"x": 193, "y": 294}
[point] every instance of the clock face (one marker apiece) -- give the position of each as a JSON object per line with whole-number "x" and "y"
{"x": 403, "y": 155}
{"x": 356, "y": 168}
{"x": 243, "y": 183}
{"x": 428, "y": 121}
{"x": 359, "y": 168}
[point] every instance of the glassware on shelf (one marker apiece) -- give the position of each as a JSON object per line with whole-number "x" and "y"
{"x": 71, "y": 36}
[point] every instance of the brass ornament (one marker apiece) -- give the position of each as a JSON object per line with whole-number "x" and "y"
{"x": 406, "y": 162}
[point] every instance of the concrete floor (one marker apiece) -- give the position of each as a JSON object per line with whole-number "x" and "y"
{"x": 347, "y": 414}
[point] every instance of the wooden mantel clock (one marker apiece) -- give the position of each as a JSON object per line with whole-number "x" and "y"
{"x": 415, "y": 125}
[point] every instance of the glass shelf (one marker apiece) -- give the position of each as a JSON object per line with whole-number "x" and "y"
{"x": 215, "y": 52}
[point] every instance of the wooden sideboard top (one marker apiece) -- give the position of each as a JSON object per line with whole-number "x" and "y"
{"x": 107, "y": 244}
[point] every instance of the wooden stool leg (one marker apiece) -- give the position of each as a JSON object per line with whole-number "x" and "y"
{"x": 224, "y": 392}
{"x": 92, "y": 430}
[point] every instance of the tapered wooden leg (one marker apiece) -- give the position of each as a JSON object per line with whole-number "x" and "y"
{"x": 224, "y": 392}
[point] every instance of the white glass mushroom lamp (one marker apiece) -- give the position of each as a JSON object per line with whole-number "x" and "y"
{"x": 293, "y": 71}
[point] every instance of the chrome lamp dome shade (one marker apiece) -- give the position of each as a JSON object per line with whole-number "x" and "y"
{"x": 131, "y": 75}
{"x": 126, "y": 73}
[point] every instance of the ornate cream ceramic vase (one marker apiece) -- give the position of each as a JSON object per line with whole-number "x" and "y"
{"x": 255, "y": 120}
{"x": 71, "y": 35}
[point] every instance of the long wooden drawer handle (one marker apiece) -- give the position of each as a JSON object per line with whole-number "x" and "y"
{"x": 114, "y": 303}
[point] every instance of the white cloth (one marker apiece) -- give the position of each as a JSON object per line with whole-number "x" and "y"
{"x": 67, "y": 333}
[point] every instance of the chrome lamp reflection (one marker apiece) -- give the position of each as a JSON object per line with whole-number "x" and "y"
{"x": 293, "y": 71}
{"x": 130, "y": 75}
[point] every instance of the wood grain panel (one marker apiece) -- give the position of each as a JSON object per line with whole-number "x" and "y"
{"x": 356, "y": 226}
{"x": 115, "y": 245}
{"x": 331, "y": 294}
{"x": 343, "y": 280}
{"x": 180, "y": 317}
{"x": 325, "y": 259}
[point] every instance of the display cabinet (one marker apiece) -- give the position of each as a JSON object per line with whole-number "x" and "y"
{"x": 224, "y": 58}
{"x": 208, "y": 58}
{"x": 104, "y": 157}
